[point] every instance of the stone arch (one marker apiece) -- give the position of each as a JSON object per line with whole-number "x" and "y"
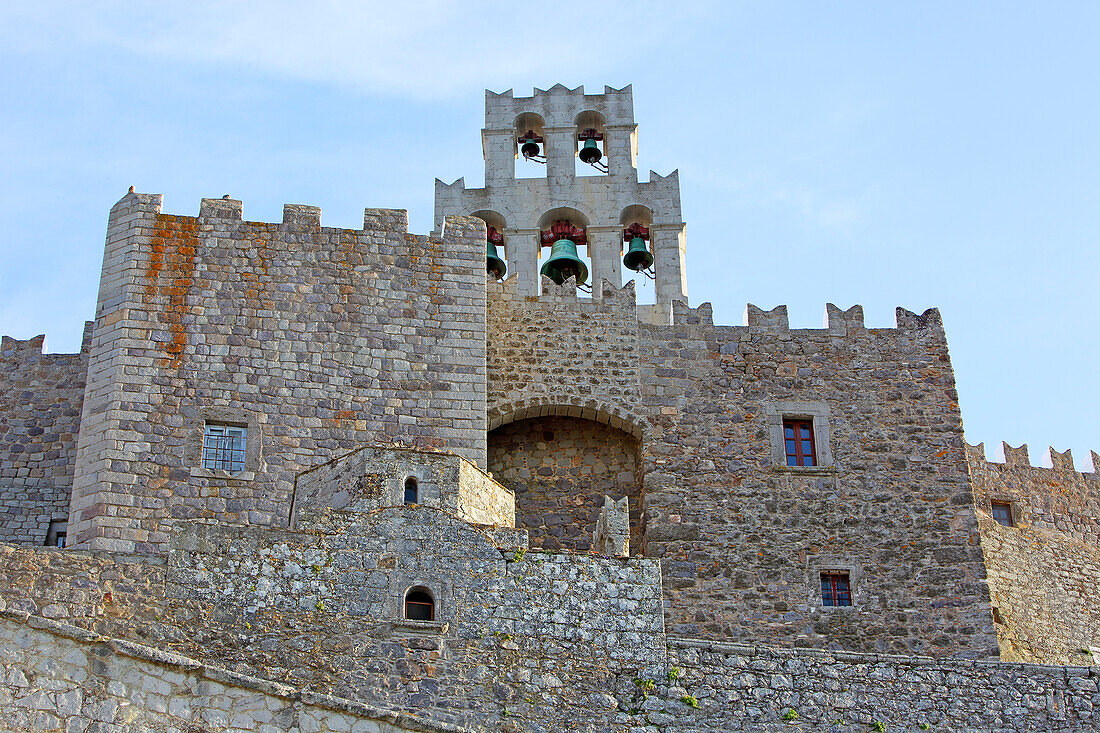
{"x": 635, "y": 213}
{"x": 585, "y": 408}
{"x": 578, "y": 217}
{"x": 589, "y": 118}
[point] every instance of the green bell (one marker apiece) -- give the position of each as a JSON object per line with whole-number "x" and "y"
{"x": 493, "y": 264}
{"x": 590, "y": 152}
{"x": 564, "y": 263}
{"x": 637, "y": 256}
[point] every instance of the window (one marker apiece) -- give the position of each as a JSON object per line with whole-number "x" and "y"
{"x": 798, "y": 439}
{"x": 835, "y": 590}
{"x": 419, "y": 605}
{"x": 1002, "y": 513}
{"x": 55, "y": 534}
{"x": 412, "y": 491}
{"x": 223, "y": 447}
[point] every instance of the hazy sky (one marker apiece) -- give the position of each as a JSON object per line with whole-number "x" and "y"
{"x": 903, "y": 153}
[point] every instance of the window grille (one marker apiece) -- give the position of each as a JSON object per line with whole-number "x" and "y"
{"x": 798, "y": 437}
{"x": 223, "y": 447}
{"x": 835, "y": 590}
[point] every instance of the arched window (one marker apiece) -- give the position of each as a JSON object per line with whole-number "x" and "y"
{"x": 412, "y": 491}
{"x": 419, "y": 605}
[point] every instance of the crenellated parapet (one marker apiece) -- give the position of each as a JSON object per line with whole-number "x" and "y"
{"x": 41, "y": 397}
{"x": 313, "y": 339}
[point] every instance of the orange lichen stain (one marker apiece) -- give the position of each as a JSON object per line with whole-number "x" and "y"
{"x": 345, "y": 414}
{"x": 942, "y": 453}
{"x": 174, "y": 244}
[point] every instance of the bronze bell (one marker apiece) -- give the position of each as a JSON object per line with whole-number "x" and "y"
{"x": 564, "y": 263}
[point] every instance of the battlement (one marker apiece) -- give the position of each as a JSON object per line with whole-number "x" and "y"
{"x": 13, "y": 350}
{"x": 294, "y": 215}
{"x": 559, "y": 106}
{"x": 1019, "y": 458}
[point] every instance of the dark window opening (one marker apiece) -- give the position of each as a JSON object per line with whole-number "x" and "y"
{"x": 798, "y": 439}
{"x": 1002, "y": 513}
{"x": 835, "y": 590}
{"x": 223, "y": 447}
{"x": 55, "y": 534}
{"x": 419, "y": 606}
{"x": 412, "y": 491}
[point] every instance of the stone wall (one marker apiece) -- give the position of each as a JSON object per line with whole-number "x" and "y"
{"x": 1044, "y": 570}
{"x": 319, "y": 340}
{"x": 40, "y": 402}
{"x": 522, "y": 639}
{"x": 711, "y": 687}
{"x": 561, "y": 468}
{"x": 543, "y": 643}
{"x": 374, "y": 477}
{"x": 59, "y": 677}
{"x": 743, "y": 538}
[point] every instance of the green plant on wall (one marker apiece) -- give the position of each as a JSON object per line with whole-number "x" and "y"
{"x": 690, "y": 700}
{"x": 790, "y": 715}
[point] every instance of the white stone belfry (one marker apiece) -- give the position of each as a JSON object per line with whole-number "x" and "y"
{"x": 603, "y": 205}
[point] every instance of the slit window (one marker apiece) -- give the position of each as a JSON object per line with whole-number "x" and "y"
{"x": 798, "y": 441}
{"x": 419, "y": 605}
{"x": 412, "y": 491}
{"x": 223, "y": 447}
{"x": 1002, "y": 513}
{"x": 835, "y": 589}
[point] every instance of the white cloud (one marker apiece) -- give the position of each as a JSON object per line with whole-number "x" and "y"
{"x": 425, "y": 49}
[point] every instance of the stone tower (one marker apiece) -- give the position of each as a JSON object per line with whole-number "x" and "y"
{"x": 602, "y": 205}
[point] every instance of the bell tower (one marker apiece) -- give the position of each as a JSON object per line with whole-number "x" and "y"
{"x": 564, "y": 225}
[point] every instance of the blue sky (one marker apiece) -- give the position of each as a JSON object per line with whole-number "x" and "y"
{"x": 914, "y": 154}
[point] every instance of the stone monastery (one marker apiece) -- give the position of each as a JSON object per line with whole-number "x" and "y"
{"x": 308, "y": 479}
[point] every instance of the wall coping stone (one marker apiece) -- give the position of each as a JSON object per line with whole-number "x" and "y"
{"x": 224, "y": 676}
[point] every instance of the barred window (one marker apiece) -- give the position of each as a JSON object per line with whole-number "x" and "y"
{"x": 223, "y": 447}
{"x": 835, "y": 589}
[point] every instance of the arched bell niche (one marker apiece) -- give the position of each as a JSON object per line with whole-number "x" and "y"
{"x": 561, "y": 468}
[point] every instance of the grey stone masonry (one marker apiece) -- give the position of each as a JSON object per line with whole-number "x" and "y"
{"x": 40, "y": 404}
{"x": 59, "y": 678}
{"x": 1044, "y": 569}
{"x": 374, "y": 478}
{"x": 744, "y": 538}
{"x": 320, "y": 340}
{"x": 602, "y": 205}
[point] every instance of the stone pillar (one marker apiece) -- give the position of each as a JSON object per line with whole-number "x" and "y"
{"x": 620, "y": 146}
{"x": 612, "y": 534}
{"x": 669, "y": 242}
{"x": 522, "y": 248}
{"x": 561, "y": 158}
{"x": 499, "y": 149}
{"x": 605, "y": 250}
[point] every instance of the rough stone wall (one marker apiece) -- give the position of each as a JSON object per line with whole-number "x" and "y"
{"x": 374, "y": 477}
{"x": 561, "y": 468}
{"x": 62, "y": 678}
{"x": 1044, "y": 572}
{"x": 743, "y": 538}
{"x": 319, "y": 340}
{"x": 40, "y": 402}
{"x": 522, "y": 640}
{"x": 557, "y": 351}
{"x": 711, "y": 687}
{"x": 504, "y": 678}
